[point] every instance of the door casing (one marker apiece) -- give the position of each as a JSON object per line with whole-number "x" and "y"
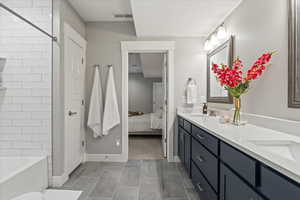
{"x": 167, "y": 47}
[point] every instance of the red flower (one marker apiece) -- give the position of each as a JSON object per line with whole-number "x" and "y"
{"x": 232, "y": 76}
{"x": 258, "y": 67}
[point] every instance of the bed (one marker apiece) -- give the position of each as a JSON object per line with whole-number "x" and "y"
{"x": 145, "y": 123}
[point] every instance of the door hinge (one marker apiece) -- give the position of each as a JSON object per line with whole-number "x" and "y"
{"x": 82, "y": 143}
{"x": 82, "y": 102}
{"x": 82, "y": 61}
{"x": 165, "y": 140}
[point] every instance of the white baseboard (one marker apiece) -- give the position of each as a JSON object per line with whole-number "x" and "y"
{"x": 58, "y": 181}
{"x": 176, "y": 159}
{"x": 105, "y": 158}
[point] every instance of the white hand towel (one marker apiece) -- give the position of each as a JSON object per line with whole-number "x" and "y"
{"x": 96, "y": 106}
{"x": 111, "y": 116}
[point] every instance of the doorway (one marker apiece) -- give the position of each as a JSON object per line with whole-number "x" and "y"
{"x": 166, "y": 49}
{"x": 146, "y": 99}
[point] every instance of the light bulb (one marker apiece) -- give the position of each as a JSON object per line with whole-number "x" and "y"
{"x": 207, "y": 46}
{"x": 214, "y": 40}
{"x": 221, "y": 33}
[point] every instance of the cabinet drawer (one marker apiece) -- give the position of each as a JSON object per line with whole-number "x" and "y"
{"x": 206, "y": 162}
{"x": 242, "y": 164}
{"x": 276, "y": 187}
{"x": 234, "y": 188}
{"x": 180, "y": 121}
{"x": 203, "y": 188}
{"x": 187, "y": 126}
{"x": 206, "y": 139}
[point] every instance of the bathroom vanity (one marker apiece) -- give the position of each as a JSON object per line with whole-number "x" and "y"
{"x": 226, "y": 162}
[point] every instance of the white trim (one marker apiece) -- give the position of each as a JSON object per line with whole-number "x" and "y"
{"x": 105, "y": 158}
{"x": 58, "y": 181}
{"x": 176, "y": 159}
{"x": 146, "y": 47}
{"x": 69, "y": 32}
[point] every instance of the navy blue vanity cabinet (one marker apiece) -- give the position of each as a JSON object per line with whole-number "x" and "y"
{"x": 206, "y": 162}
{"x": 187, "y": 152}
{"x": 181, "y": 144}
{"x": 201, "y": 185}
{"x": 242, "y": 164}
{"x": 278, "y": 187}
{"x": 184, "y": 144}
{"x": 233, "y": 188}
{"x": 221, "y": 171}
{"x": 206, "y": 139}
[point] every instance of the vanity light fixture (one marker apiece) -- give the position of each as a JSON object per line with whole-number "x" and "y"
{"x": 207, "y": 46}
{"x": 215, "y": 37}
{"x": 221, "y": 34}
{"x": 214, "y": 40}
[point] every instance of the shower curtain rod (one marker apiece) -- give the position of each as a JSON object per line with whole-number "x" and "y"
{"x": 27, "y": 21}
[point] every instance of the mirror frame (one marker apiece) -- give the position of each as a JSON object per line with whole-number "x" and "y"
{"x": 228, "y": 44}
{"x": 293, "y": 100}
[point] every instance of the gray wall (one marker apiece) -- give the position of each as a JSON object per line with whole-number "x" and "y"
{"x": 140, "y": 93}
{"x": 63, "y": 13}
{"x": 104, "y": 48}
{"x": 259, "y": 27}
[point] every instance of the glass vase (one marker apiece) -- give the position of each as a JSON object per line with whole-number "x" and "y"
{"x": 237, "y": 111}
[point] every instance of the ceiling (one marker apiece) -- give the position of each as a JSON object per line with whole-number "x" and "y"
{"x": 101, "y": 10}
{"x": 179, "y": 18}
{"x": 152, "y": 64}
{"x": 159, "y": 18}
{"x": 149, "y": 64}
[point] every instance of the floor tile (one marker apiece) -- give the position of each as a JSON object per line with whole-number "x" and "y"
{"x": 131, "y": 176}
{"x": 107, "y": 184}
{"x": 126, "y": 193}
{"x": 151, "y": 168}
{"x": 173, "y": 189}
{"x": 192, "y": 194}
{"x": 134, "y": 180}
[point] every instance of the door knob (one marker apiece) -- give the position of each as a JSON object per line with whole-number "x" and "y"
{"x": 72, "y": 113}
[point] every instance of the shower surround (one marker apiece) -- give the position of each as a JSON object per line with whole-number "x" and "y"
{"x": 25, "y": 106}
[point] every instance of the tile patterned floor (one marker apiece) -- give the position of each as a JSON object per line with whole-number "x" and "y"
{"x": 134, "y": 180}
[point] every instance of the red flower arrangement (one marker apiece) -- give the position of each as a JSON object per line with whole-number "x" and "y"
{"x": 232, "y": 77}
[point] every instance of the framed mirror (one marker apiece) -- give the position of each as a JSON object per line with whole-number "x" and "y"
{"x": 221, "y": 55}
{"x": 294, "y": 54}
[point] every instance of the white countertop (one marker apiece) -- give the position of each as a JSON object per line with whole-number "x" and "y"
{"x": 278, "y": 150}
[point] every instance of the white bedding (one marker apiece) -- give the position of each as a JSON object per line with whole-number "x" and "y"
{"x": 144, "y": 123}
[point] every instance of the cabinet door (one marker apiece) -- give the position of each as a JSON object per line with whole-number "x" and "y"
{"x": 181, "y": 144}
{"x": 187, "y": 152}
{"x": 233, "y": 188}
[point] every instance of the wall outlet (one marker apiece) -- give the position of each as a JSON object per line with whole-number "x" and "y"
{"x": 118, "y": 143}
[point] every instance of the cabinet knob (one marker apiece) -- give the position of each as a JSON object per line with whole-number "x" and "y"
{"x": 200, "y": 187}
{"x": 200, "y": 137}
{"x": 200, "y": 159}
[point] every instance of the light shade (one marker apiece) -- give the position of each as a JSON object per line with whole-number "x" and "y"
{"x": 214, "y": 40}
{"x": 207, "y": 46}
{"x": 221, "y": 34}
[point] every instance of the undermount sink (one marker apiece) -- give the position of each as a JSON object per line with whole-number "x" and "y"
{"x": 196, "y": 114}
{"x": 285, "y": 148}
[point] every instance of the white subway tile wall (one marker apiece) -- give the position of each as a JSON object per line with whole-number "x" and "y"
{"x": 25, "y": 106}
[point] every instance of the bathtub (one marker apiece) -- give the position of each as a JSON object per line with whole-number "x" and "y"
{"x": 19, "y": 175}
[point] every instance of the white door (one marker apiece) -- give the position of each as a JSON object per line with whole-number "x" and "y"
{"x": 165, "y": 104}
{"x": 74, "y": 71}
